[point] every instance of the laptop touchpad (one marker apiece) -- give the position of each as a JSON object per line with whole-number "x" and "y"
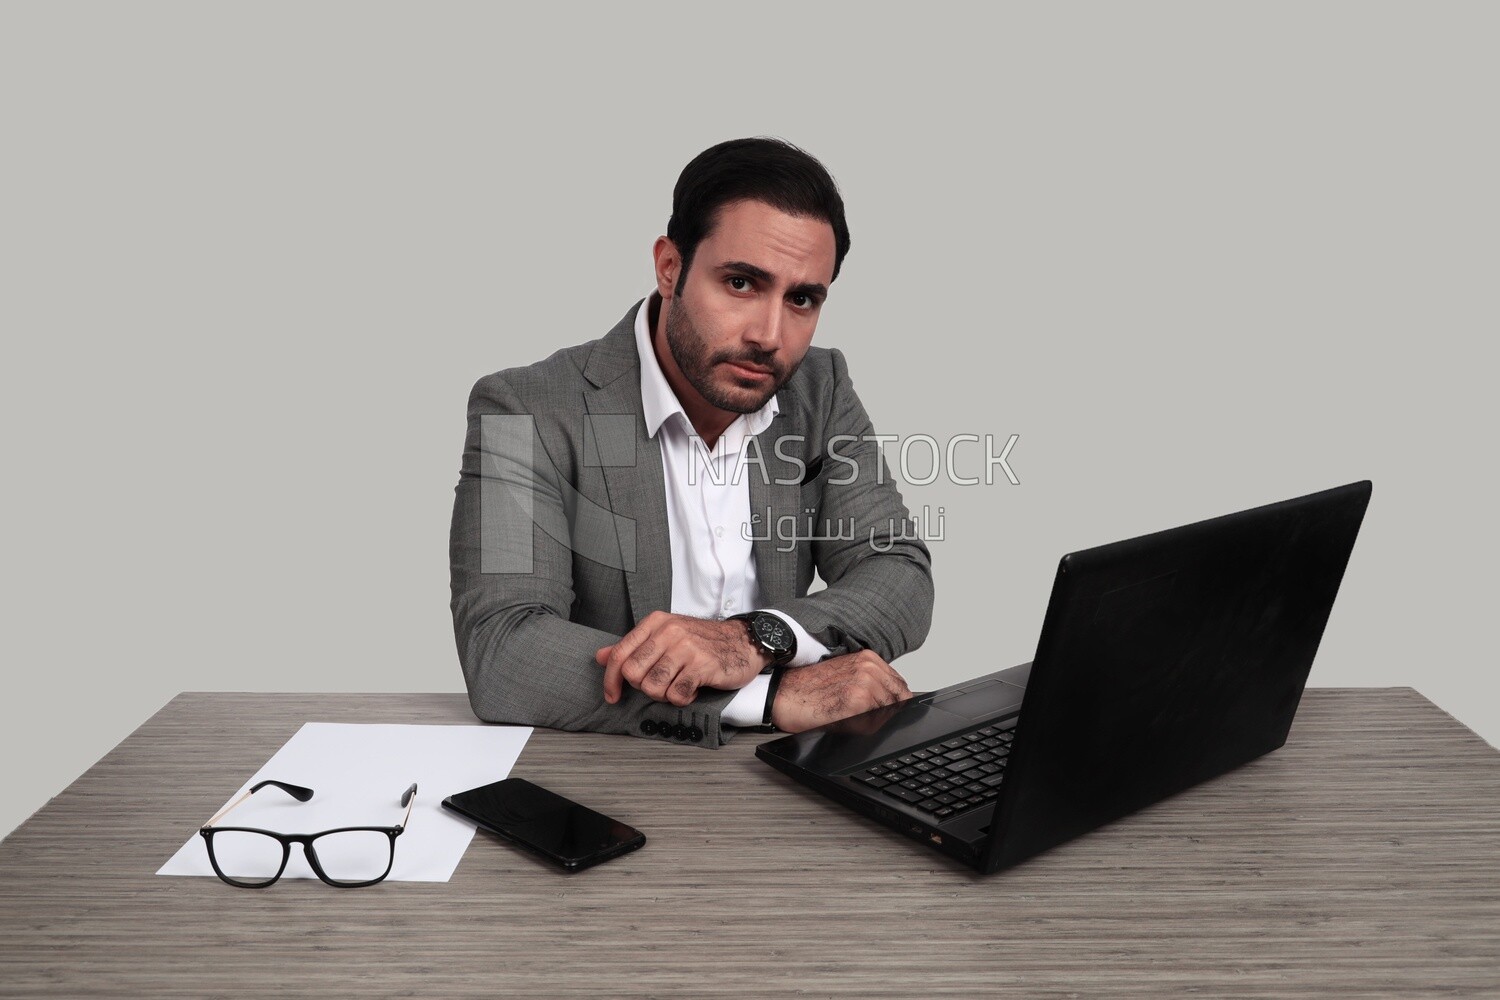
{"x": 980, "y": 699}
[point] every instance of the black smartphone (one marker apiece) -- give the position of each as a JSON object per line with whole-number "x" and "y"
{"x": 569, "y": 835}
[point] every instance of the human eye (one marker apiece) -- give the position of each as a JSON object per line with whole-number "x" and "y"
{"x": 739, "y": 283}
{"x": 803, "y": 301}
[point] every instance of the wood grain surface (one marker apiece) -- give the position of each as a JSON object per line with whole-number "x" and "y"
{"x": 1361, "y": 860}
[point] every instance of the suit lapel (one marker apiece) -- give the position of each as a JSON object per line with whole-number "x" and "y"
{"x": 632, "y": 476}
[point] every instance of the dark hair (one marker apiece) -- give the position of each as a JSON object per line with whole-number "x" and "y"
{"x": 759, "y": 169}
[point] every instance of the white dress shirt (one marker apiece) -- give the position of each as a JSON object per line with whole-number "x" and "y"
{"x": 708, "y": 510}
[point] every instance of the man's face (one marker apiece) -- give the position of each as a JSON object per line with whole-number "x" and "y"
{"x": 745, "y": 317}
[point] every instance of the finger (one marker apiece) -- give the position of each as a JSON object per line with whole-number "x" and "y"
{"x": 685, "y": 688}
{"x": 633, "y": 668}
{"x": 881, "y": 682}
{"x": 668, "y": 645}
{"x": 602, "y": 657}
{"x": 611, "y": 677}
{"x": 888, "y": 685}
{"x": 896, "y": 687}
{"x": 896, "y": 684}
{"x": 659, "y": 676}
{"x": 617, "y": 656}
{"x": 625, "y": 648}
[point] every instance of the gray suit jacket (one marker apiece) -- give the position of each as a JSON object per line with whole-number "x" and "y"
{"x": 560, "y": 544}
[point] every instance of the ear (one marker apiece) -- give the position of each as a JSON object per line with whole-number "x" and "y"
{"x": 668, "y": 267}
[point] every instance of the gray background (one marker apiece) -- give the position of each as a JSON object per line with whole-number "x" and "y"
{"x": 1199, "y": 257}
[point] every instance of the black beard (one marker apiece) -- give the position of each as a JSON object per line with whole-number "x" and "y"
{"x": 697, "y": 366}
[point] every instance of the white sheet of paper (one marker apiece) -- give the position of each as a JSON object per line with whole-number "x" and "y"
{"x": 358, "y": 773}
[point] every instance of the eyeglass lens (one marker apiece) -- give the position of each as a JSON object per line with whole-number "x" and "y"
{"x": 247, "y": 858}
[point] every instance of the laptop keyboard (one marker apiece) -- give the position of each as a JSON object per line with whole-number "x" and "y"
{"x": 949, "y": 777}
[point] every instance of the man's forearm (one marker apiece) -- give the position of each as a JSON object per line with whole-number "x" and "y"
{"x": 527, "y": 666}
{"x": 883, "y": 603}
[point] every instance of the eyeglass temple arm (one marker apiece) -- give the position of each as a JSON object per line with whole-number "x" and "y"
{"x": 298, "y": 792}
{"x": 408, "y": 799}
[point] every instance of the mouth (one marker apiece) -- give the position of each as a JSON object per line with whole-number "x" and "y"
{"x": 749, "y": 371}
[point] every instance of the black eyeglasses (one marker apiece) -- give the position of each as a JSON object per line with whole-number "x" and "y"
{"x": 352, "y": 855}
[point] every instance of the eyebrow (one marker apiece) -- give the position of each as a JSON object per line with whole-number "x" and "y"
{"x": 812, "y": 289}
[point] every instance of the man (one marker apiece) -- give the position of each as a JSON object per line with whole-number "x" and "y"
{"x": 638, "y": 518}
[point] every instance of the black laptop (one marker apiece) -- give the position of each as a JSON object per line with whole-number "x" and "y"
{"x": 1164, "y": 661}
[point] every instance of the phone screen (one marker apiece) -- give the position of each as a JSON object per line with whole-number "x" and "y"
{"x": 559, "y": 829}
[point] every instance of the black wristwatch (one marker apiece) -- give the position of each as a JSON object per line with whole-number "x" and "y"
{"x": 770, "y": 634}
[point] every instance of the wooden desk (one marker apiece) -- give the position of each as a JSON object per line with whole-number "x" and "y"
{"x": 1363, "y": 859}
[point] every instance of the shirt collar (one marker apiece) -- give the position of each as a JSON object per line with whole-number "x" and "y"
{"x": 659, "y": 403}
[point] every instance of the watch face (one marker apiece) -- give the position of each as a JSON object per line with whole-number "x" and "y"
{"x": 774, "y": 634}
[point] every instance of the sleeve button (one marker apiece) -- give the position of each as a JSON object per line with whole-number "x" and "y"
{"x": 648, "y": 727}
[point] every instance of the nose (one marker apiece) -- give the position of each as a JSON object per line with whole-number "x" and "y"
{"x": 765, "y": 329}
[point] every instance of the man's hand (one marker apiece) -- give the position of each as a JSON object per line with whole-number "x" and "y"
{"x": 835, "y": 689}
{"x": 669, "y": 657}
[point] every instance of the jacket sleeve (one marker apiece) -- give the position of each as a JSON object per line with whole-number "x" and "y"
{"x": 511, "y": 564}
{"x": 880, "y": 593}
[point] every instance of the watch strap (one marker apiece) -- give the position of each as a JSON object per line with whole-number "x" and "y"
{"x": 766, "y": 724}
